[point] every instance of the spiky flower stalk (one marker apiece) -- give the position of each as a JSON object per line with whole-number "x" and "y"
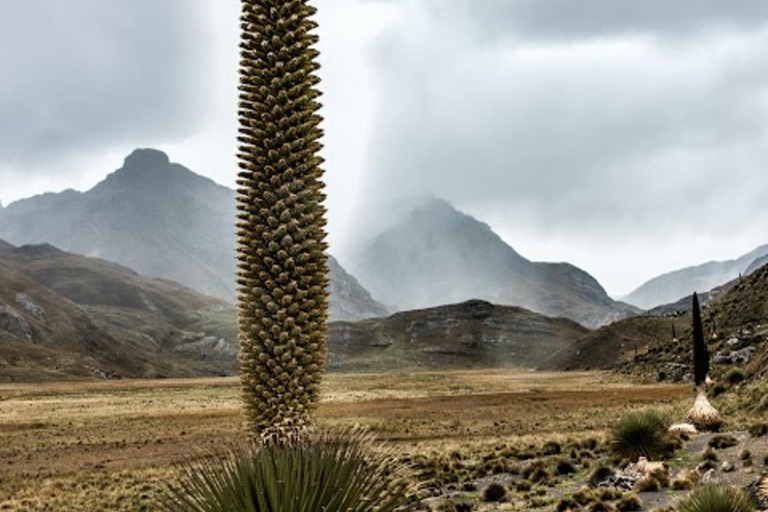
{"x": 700, "y": 353}
{"x": 282, "y": 269}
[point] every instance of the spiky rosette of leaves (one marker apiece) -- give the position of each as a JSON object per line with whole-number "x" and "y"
{"x": 282, "y": 269}
{"x": 321, "y": 472}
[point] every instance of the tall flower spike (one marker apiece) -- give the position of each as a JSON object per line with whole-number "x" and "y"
{"x": 282, "y": 266}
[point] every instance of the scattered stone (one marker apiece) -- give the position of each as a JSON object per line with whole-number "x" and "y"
{"x": 727, "y": 467}
{"x": 624, "y": 480}
{"x": 710, "y": 477}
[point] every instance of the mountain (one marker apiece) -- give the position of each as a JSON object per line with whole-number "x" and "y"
{"x": 670, "y": 287}
{"x": 162, "y": 220}
{"x": 68, "y": 316}
{"x": 758, "y": 263}
{"x": 349, "y": 300}
{"x": 438, "y": 255}
{"x": 473, "y": 334}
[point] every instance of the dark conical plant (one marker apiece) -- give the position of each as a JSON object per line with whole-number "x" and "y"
{"x": 283, "y": 298}
{"x": 700, "y": 353}
{"x": 702, "y": 414}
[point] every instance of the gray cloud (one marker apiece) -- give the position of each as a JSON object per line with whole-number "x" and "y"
{"x": 84, "y": 75}
{"x": 581, "y": 126}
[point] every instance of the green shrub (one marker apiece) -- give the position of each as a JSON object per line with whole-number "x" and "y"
{"x": 321, "y": 472}
{"x": 735, "y": 376}
{"x": 494, "y": 492}
{"x": 716, "y": 498}
{"x": 640, "y": 434}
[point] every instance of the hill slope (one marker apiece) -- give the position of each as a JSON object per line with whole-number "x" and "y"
{"x": 162, "y": 220}
{"x": 736, "y": 326}
{"x": 474, "y": 334}
{"x": 670, "y": 287}
{"x": 438, "y": 255}
{"x": 66, "y": 316}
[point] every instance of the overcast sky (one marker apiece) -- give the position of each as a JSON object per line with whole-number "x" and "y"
{"x": 628, "y": 138}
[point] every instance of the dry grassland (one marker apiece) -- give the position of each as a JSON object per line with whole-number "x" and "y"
{"x": 111, "y": 446}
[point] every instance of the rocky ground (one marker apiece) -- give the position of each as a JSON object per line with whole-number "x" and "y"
{"x": 583, "y": 475}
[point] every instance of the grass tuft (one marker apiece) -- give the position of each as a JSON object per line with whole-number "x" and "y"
{"x": 716, "y": 498}
{"x": 640, "y": 434}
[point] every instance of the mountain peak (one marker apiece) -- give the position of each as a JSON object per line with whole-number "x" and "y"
{"x": 146, "y": 157}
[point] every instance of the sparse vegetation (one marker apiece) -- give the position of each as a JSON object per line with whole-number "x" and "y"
{"x": 640, "y": 434}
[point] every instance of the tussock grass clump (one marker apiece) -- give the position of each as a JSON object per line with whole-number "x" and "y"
{"x": 722, "y": 442}
{"x": 326, "y": 472}
{"x": 640, "y": 434}
{"x": 630, "y": 503}
{"x": 494, "y": 492}
{"x": 716, "y": 498}
{"x": 600, "y": 474}
{"x": 735, "y": 376}
{"x": 565, "y": 467}
{"x": 536, "y": 473}
{"x": 685, "y": 481}
{"x": 758, "y": 430}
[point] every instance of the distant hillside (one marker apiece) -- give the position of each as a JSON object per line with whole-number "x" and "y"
{"x": 758, "y": 263}
{"x": 438, "y": 255}
{"x": 736, "y": 326}
{"x": 669, "y": 288}
{"x": 66, "y": 316}
{"x": 618, "y": 343}
{"x": 685, "y": 305}
{"x": 160, "y": 219}
{"x": 474, "y": 334}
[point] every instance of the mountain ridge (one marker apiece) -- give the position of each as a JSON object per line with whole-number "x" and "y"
{"x": 439, "y": 255}
{"x": 672, "y": 286}
{"x": 160, "y": 219}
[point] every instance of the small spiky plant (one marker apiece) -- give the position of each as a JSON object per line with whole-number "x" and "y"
{"x": 344, "y": 472}
{"x": 283, "y": 298}
{"x": 716, "y": 498}
{"x": 640, "y": 434}
{"x": 703, "y": 415}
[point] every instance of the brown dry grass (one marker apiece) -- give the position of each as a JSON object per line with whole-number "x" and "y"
{"x": 110, "y": 446}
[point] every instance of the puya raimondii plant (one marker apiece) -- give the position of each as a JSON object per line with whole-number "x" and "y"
{"x": 282, "y": 269}
{"x": 703, "y": 415}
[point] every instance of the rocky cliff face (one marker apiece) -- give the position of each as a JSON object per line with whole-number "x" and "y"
{"x": 349, "y": 300}
{"x": 162, "y": 220}
{"x": 438, "y": 255}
